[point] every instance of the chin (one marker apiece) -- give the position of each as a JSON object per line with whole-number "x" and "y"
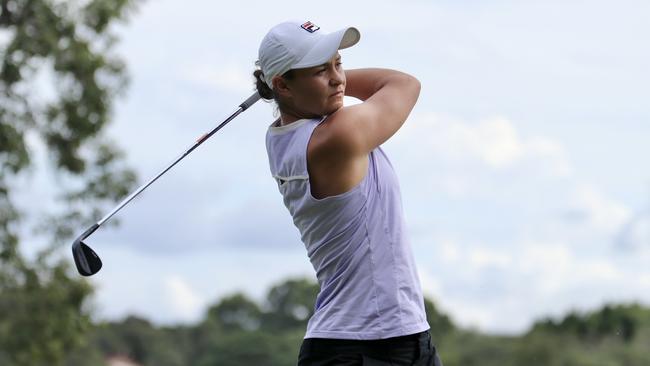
{"x": 333, "y": 108}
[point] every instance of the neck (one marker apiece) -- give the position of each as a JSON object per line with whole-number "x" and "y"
{"x": 289, "y": 115}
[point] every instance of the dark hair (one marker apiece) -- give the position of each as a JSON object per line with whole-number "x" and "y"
{"x": 262, "y": 88}
{"x": 265, "y": 91}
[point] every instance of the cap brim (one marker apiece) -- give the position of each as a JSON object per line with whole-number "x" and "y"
{"x": 327, "y": 46}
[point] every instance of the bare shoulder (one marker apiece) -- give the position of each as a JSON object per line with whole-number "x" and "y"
{"x": 339, "y": 135}
{"x": 334, "y": 165}
{"x": 338, "y": 151}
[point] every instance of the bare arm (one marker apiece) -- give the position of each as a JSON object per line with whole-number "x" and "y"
{"x": 388, "y": 97}
{"x": 338, "y": 150}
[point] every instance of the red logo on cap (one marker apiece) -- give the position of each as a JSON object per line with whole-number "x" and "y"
{"x": 310, "y": 27}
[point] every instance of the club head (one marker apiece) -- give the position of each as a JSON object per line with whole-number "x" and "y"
{"x": 86, "y": 260}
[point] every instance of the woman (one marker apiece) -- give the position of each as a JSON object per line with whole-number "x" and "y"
{"x": 343, "y": 195}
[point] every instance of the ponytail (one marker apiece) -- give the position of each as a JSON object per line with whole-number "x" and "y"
{"x": 264, "y": 90}
{"x": 267, "y": 93}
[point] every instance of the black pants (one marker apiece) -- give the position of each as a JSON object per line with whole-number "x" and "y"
{"x": 413, "y": 350}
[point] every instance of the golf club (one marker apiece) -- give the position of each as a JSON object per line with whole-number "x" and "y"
{"x": 86, "y": 260}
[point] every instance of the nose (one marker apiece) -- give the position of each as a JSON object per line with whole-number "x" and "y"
{"x": 337, "y": 77}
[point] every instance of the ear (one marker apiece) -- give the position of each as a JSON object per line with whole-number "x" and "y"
{"x": 280, "y": 86}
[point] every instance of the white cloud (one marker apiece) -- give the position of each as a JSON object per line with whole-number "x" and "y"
{"x": 229, "y": 77}
{"x": 644, "y": 280}
{"x": 505, "y": 222}
{"x": 501, "y": 289}
{"x": 602, "y": 213}
{"x": 543, "y": 257}
{"x": 635, "y": 233}
{"x": 186, "y": 304}
{"x": 498, "y": 142}
{"x": 491, "y": 148}
{"x": 467, "y": 314}
{"x": 449, "y": 250}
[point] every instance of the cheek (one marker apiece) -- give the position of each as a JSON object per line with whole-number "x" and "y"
{"x": 310, "y": 100}
{"x": 315, "y": 94}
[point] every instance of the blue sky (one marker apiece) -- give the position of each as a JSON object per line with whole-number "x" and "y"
{"x": 524, "y": 166}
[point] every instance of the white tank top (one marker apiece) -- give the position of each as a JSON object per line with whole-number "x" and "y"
{"x": 356, "y": 242}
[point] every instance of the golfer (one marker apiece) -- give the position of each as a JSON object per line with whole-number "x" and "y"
{"x": 344, "y": 196}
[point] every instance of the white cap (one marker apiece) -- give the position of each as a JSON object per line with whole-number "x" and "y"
{"x": 297, "y": 45}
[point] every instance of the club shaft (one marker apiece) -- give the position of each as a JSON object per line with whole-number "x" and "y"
{"x": 198, "y": 142}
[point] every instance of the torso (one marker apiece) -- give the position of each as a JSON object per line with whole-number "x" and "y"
{"x": 356, "y": 241}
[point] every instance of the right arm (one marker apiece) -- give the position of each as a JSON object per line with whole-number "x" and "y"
{"x": 338, "y": 149}
{"x": 388, "y": 97}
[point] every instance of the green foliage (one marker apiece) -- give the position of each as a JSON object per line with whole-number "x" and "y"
{"x": 441, "y": 325}
{"x": 235, "y": 313}
{"x": 618, "y": 322}
{"x": 139, "y": 340}
{"x": 238, "y": 331}
{"x": 469, "y": 348}
{"x": 58, "y": 79}
{"x": 43, "y": 315}
{"x": 252, "y": 348}
{"x": 50, "y": 35}
{"x": 235, "y": 331}
{"x": 290, "y": 304}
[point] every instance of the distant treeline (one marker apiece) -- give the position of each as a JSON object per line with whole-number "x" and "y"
{"x": 238, "y": 331}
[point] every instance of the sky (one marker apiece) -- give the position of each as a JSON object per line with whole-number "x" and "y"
{"x": 523, "y": 167}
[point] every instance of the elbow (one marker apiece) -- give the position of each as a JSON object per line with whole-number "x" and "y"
{"x": 414, "y": 91}
{"x": 411, "y": 84}
{"x": 417, "y": 86}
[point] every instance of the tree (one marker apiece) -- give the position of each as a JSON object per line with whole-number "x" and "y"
{"x": 237, "y": 331}
{"x": 43, "y": 306}
{"x": 231, "y": 316}
{"x": 140, "y": 341}
{"x": 290, "y": 304}
{"x": 441, "y": 325}
{"x": 235, "y": 312}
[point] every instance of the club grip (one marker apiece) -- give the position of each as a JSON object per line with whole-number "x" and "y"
{"x": 250, "y": 101}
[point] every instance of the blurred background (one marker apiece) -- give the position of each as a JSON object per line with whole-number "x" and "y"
{"x": 525, "y": 187}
